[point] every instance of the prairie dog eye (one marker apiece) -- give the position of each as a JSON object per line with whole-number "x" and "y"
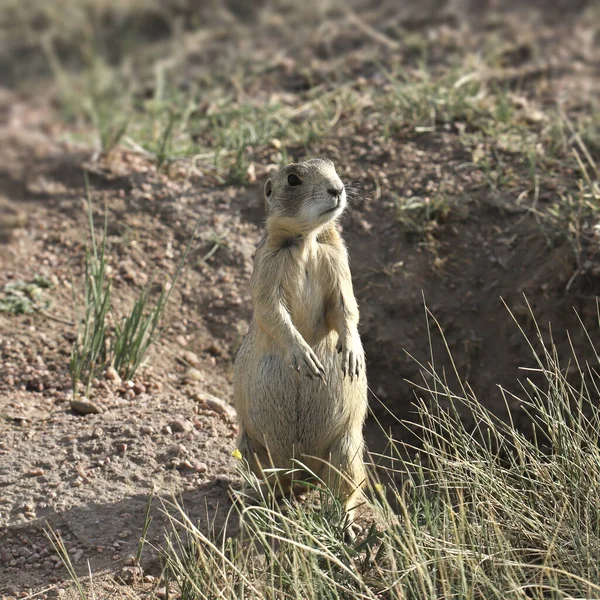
{"x": 293, "y": 179}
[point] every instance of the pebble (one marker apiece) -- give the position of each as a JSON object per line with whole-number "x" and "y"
{"x": 84, "y": 407}
{"x": 128, "y": 575}
{"x": 35, "y": 472}
{"x": 112, "y": 375}
{"x": 190, "y": 357}
{"x": 181, "y": 426}
{"x": 216, "y": 404}
{"x": 199, "y": 467}
{"x": 178, "y": 450}
{"x": 147, "y": 430}
{"x": 139, "y": 388}
{"x": 192, "y": 375}
{"x": 121, "y": 448}
{"x": 222, "y": 479}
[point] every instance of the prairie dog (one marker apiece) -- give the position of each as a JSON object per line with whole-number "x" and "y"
{"x": 299, "y": 377}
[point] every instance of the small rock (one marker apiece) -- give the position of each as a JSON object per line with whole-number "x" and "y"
{"x": 84, "y": 407}
{"x": 251, "y": 173}
{"x": 177, "y": 450}
{"x": 147, "y": 430}
{"x": 112, "y": 375}
{"x": 139, "y": 388}
{"x": 216, "y": 404}
{"x": 222, "y": 479}
{"x": 199, "y": 467}
{"x": 121, "y": 448}
{"x": 192, "y": 375}
{"x": 181, "y": 426}
{"x": 166, "y": 430}
{"x": 190, "y": 357}
{"x": 35, "y": 472}
{"x": 129, "y": 575}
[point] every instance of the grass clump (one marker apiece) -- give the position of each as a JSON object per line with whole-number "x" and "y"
{"x": 420, "y": 217}
{"x": 90, "y": 352}
{"x": 575, "y": 216}
{"x": 97, "y": 345}
{"x": 479, "y": 511}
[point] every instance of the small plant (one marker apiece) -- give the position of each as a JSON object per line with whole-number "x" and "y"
{"x": 125, "y": 347}
{"x": 89, "y": 352}
{"x": 24, "y": 297}
{"x": 575, "y": 216}
{"x": 61, "y": 550}
{"x": 422, "y": 216}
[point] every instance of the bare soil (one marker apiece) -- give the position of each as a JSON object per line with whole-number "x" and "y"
{"x": 90, "y": 476}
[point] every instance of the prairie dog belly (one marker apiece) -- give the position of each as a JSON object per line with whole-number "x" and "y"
{"x": 290, "y": 414}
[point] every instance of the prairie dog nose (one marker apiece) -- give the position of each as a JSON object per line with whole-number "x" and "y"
{"x": 335, "y": 192}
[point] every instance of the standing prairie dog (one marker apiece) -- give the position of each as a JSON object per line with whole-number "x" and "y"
{"x": 299, "y": 377}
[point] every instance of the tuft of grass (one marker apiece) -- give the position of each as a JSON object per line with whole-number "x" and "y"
{"x": 89, "y": 352}
{"x": 61, "y": 550}
{"x": 476, "y": 511}
{"x": 484, "y": 512}
{"x": 575, "y": 215}
{"x": 420, "y": 217}
{"x": 96, "y": 345}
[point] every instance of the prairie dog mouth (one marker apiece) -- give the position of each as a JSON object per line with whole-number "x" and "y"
{"x": 338, "y": 205}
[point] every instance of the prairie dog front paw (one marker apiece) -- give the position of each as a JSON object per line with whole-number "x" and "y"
{"x": 302, "y": 359}
{"x": 353, "y": 355}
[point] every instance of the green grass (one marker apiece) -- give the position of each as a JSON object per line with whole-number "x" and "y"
{"x": 89, "y": 354}
{"x": 478, "y": 511}
{"x": 125, "y": 346}
{"x": 483, "y": 512}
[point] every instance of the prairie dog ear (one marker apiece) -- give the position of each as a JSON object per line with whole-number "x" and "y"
{"x": 268, "y": 191}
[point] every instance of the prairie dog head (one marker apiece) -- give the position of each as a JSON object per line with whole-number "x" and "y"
{"x": 305, "y": 196}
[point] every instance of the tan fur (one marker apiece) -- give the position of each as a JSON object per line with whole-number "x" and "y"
{"x": 300, "y": 381}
